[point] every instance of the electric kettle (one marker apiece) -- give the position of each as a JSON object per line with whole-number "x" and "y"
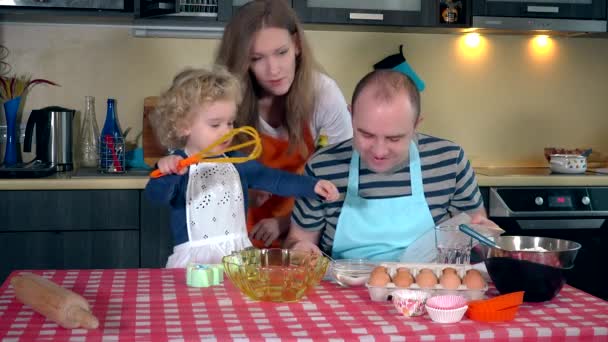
{"x": 53, "y": 136}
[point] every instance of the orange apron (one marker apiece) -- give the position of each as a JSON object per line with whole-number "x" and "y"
{"x": 275, "y": 154}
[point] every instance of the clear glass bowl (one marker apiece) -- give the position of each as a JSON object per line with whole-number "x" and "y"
{"x": 351, "y": 272}
{"x": 275, "y": 275}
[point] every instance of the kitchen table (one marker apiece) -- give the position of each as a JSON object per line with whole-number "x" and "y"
{"x": 156, "y": 305}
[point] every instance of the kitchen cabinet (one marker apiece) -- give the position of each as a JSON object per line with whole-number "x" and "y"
{"x": 192, "y": 10}
{"x": 156, "y": 239}
{"x": 72, "y": 12}
{"x": 380, "y": 12}
{"x": 69, "y": 229}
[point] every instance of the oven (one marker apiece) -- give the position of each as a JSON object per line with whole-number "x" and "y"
{"x": 573, "y": 213}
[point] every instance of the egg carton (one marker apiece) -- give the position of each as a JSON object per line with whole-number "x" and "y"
{"x": 383, "y": 293}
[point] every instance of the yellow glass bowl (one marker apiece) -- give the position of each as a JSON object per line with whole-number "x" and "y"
{"x": 275, "y": 274}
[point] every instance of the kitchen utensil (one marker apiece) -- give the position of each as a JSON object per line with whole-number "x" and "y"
{"x": 53, "y": 136}
{"x": 497, "y": 309}
{"x": 568, "y": 163}
{"x": 532, "y": 264}
{"x": 351, "y": 272}
{"x": 474, "y": 234}
{"x": 453, "y": 247}
{"x": 66, "y": 308}
{"x": 153, "y": 150}
{"x": 114, "y": 153}
{"x": 275, "y": 275}
{"x": 208, "y": 155}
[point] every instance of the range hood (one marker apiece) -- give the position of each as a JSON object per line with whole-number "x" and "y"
{"x": 536, "y": 24}
{"x": 541, "y": 15}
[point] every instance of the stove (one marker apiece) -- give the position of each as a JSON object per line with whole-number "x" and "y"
{"x": 564, "y": 212}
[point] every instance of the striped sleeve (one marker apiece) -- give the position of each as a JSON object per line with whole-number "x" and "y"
{"x": 467, "y": 197}
{"x": 309, "y": 213}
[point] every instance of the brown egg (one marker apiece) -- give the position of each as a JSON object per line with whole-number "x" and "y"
{"x": 403, "y": 269}
{"x": 379, "y": 279}
{"x": 449, "y": 280}
{"x": 449, "y": 270}
{"x": 403, "y": 279}
{"x": 473, "y": 280}
{"x": 379, "y": 269}
{"x": 426, "y": 279}
{"x": 425, "y": 270}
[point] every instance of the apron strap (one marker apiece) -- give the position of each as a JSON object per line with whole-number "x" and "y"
{"x": 415, "y": 172}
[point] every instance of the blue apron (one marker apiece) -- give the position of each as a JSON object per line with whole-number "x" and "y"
{"x": 381, "y": 229}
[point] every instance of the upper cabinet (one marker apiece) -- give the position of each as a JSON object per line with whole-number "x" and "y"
{"x": 103, "y": 7}
{"x": 379, "y": 12}
{"x": 202, "y": 10}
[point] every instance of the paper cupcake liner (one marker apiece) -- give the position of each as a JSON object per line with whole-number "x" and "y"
{"x": 447, "y": 302}
{"x": 410, "y": 303}
{"x": 446, "y": 316}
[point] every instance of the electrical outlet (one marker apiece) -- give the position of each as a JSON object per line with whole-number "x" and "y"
{"x": 3, "y": 134}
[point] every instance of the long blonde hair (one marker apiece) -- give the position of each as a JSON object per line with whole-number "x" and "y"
{"x": 300, "y": 99}
{"x": 190, "y": 88}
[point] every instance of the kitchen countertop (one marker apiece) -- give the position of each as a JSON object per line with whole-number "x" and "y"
{"x": 136, "y": 179}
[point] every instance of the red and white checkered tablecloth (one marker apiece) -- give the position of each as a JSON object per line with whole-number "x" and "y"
{"x": 156, "y": 305}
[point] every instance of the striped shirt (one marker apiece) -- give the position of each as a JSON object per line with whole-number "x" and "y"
{"x": 450, "y": 186}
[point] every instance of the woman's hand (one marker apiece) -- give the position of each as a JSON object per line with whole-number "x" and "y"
{"x": 327, "y": 190}
{"x": 267, "y": 230}
{"x": 258, "y": 197}
{"x": 169, "y": 165}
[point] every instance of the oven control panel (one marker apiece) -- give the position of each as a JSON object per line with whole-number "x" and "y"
{"x": 555, "y": 200}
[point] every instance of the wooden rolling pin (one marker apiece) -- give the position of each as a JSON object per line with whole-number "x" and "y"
{"x": 60, "y": 305}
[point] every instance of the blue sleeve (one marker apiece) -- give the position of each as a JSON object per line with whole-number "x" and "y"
{"x": 164, "y": 190}
{"x": 277, "y": 182}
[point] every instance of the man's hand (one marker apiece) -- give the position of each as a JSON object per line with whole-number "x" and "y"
{"x": 302, "y": 240}
{"x": 480, "y": 218}
{"x": 327, "y": 190}
{"x": 168, "y": 165}
{"x": 306, "y": 246}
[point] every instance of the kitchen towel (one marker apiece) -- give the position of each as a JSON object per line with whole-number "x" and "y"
{"x": 398, "y": 62}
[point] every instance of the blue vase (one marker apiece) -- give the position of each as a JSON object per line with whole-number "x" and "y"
{"x": 10, "y": 111}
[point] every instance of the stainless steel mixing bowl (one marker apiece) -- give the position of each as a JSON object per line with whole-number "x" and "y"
{"x": 532, "y": 264}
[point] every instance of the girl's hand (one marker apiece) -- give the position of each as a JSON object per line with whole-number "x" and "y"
{"x": 168, "y": 165}
{"x": 327, "y": 190}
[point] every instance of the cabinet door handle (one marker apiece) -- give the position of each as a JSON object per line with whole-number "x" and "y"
{"x": 366, "y": 16}
{"x": 543, "y": 9}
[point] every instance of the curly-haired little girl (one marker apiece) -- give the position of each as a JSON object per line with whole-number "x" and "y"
{"x": 208, "y": 200}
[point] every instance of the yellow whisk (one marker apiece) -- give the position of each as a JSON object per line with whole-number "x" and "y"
{"x": 204, "y": 155}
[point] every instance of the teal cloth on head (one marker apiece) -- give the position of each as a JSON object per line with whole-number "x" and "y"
{"x": 407, "y": 69}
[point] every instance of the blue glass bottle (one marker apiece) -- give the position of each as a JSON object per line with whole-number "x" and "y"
{"x": 111, "y": 143}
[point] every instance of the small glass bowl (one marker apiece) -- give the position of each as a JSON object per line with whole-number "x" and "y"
{"x": 351, "y": 272}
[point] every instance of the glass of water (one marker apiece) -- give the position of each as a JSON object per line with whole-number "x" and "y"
{"x": 453, "y": 246}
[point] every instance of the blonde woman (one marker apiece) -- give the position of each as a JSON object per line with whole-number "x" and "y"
{"x": 208, "y": 199}
{"x": 286, "y": 97}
